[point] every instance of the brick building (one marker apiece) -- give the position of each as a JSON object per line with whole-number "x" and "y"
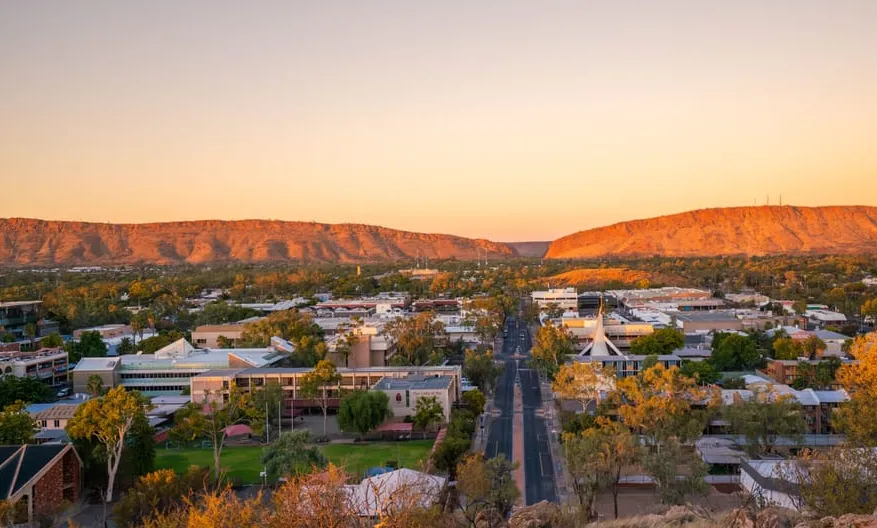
{"x": 39, "y": 479}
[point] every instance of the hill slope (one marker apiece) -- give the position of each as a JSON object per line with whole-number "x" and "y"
{"x": 47, "y": 243}
{"x": 730, "y": 231}
{"x": 529, "y": 249}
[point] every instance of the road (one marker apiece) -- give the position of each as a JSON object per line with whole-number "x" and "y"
{"x": 538, "y": 464}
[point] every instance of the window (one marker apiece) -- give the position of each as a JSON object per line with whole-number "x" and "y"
{"x": 398, "y": 397}
{"x": 57, "y": 424}
{"x": 225, "y": 384}
{"x": 43, "y": 423}
{"x": 407, "y": 398}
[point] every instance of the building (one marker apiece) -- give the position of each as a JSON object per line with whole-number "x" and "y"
{"x": 700, "y": 305}
{"x": 113, "y": 335}
{"x": 52, "y": 419}
{"x": 404, "y": 392}
{"x": 16, "y": 315}
{"x": 629, "y": 365}
{"x": 46, "y": 364}
{"x": 771, "y": 482}
{"x": 207, "y": 336}
{"x": 565, "y": 299}
{"x": 214, "y": 385}
{"x": 618, "y": 335}
{"x": 391, "y": 300}
{"x": 822, "y": 317}
{"x": 169, "y": 370}
{"x": 668, "y": 297}
{"x": 709, "y": 321}
{"x": 785, "y": 371}
{"x": 44, "y": 476}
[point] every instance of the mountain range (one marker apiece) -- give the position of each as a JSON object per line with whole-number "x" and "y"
{"x": 762, "y": 230}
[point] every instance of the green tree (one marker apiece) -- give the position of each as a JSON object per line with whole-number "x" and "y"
{"x": 296, "y": 327}
{"x": 125, "y": 346}
{"x": 270, "y": 400}
{"x": 90, "y": 344}
{"x": 836, "y": 482}
{"x": 474, "y": 400}
{"x": 291, "y": 455}
{"x": 29, "y": 390}
{"x": 799, "y": 307}
{"x": 583, "y": 383}
{"x": 763, "y": 418}
{"x": 427, "y": 412}
{"x": 551, "y": 346}
{"x": 224, "y": 342}
{"x": 317, "y": 385}
{"x": 702, "y": 371}
{"x": 481, "y": 369}
{"x": 677, "y": 474}
{"x": 448, "y": 454}
{"x": 16, "y": 425}
{"x": 661, "y": 342}
{"x": 363, "y": 411}
{"x": 95, "y": 385}
{"x": 211, "y": 420}
{"x": 52, "y": 340}
{"x": 30, "y": 331}
{"x": 735, "y": 352}
{"x": 107, "y": 420}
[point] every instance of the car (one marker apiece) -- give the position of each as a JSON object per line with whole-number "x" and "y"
{"x": 63, "y": 393}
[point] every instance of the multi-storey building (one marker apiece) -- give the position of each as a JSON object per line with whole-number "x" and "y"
{"x": 566, "y": 299}
{"x": 214, "y": 385}
{"x": 47, "y": 364}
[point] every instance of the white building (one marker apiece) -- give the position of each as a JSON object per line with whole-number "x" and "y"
{"x": 567, "y": 299}
{"x": 404, "y": 392}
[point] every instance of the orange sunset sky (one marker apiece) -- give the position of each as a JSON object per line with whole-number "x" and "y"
{"x": 509, "y": 120}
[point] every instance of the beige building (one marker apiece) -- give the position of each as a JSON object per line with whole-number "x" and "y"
{"x": 48, "y": 365}
{"x": 404, "y": 393}
{"x": 207, "y": 336}
{"x": 214, "y": 385}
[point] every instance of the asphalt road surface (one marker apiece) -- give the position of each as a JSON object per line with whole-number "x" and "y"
{"x": 538, "y": 464}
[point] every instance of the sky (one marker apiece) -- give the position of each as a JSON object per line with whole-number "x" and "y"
{"x": 502, "y": 119}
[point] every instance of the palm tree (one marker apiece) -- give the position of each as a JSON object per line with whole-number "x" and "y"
{"x": 30, "y": 330}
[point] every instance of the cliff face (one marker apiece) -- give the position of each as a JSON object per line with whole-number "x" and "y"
{"x": 46, "y": 243}
{"x": 730, "y": 231}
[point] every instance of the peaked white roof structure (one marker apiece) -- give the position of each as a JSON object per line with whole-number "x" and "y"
{"x": 178, "y": 349}
{"x": 600, "y": 345}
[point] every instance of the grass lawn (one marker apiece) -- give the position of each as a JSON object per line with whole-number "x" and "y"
{"x": 243, "y": 462}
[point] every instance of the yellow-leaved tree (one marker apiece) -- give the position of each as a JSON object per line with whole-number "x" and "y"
{"x": 858, "y": 417}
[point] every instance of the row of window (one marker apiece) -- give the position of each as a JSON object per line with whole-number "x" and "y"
{"x": 158, "y": 375}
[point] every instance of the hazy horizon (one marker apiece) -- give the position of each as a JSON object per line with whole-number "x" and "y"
{"x": 509, "y": 121}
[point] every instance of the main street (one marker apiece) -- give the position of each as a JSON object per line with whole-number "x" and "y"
{"x": 538, "y": 464}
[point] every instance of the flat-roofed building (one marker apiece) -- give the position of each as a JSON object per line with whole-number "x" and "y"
{"x": 629, "y": 365}
{"x": 207, "y": 336}
{"x": 48, "y": 365}
{"x": 214, "y": 385}
{"x": 16, "y": 315}
{"x": 169, "y": 370}
{"x": 619, "y": 334}
{"x": 693, "y": 322}
{"x": 404, "y": 393}
{"x": 566, "y": 299}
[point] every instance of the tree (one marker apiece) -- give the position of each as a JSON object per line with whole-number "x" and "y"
{"x": 583, "y": 383}
{"x": 30, "y": 331}
{"x": 90, "y": 344}
{"x": 489, "y": 487}
{"x": 296, "y": 327}
{"x": 346, "y": 341}
{"x": 108, "y": 419}
{"x": 620, "y": 453}
{"x": 734, "y": 352}
{"x": 799, "y": 307}
{"x": 224, "y": 342}
{"x": 836, "y": 482}
{"x": 481, "y": 369}
{"x": 702, "y": 371}
{"x": 16, "y": 425}
{"x": 427, "y": 412}
{"x": 125, "y": 346}
{"x": 157, "y": 493}
{"x": 672, "y": 484}
{"x": 317, "y": 383}
{"x": 316, "y": 500}
{"x": 582, "y": 454}
{"x": 270, "y": 400}
{"x": 211, "y": 420}
{"x": 869, "y": 309}
{"x": 661, "y": 342}
{"x": 449, "y": 453}
{"x": 290, "y": 455}
{"x": 53, "y": 340}
{"x": 362, "y": 411}
{"x": 416, "y": 337}
{"x": 137, "y": 325}
{"x": 29, "y": 390}
{"x": 858, "y": 417}
{"x": 763, "y": 418}
{"x": 474, "y": 400}
{"x": 551, "y": 346}
{"x": 95, "y": 385}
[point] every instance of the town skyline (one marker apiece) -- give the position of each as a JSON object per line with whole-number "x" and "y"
{"x": 512, "y": 122}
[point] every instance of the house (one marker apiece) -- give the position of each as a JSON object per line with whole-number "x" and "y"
{"x": 53, "y": 421}
{"x": 207, "y": 336}
{"x": 39, "y": 479}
